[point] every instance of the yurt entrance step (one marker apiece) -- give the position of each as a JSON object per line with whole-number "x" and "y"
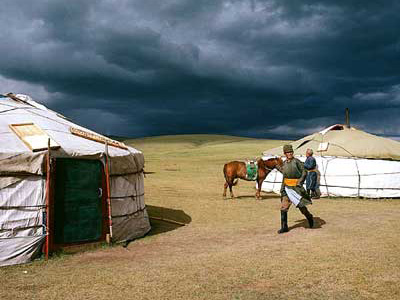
{"x": 78, "y": 201}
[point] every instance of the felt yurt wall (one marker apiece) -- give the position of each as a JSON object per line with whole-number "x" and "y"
{"x": 350, "y": 162}
{"x": 26, "y": 128}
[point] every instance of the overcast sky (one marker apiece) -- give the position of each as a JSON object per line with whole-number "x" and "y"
{"x": 273, "y": 68}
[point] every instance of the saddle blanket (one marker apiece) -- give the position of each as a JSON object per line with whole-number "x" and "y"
{"x": 251, "y": 168}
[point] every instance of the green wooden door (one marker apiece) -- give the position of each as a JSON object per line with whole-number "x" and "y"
{"x": 77, "y": 203}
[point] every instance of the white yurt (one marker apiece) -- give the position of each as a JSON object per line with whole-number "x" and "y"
{"x": 351, "y": 163}
{"x": 62, "y": 184}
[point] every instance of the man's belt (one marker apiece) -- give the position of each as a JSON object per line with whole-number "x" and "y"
{"x": 313, "y": 170}
{"x": 290, "y": 181}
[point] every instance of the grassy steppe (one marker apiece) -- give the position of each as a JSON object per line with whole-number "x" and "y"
{"x": 229, "y": 249}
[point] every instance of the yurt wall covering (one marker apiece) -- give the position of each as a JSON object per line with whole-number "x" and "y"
{"x": 25, "y": 124}
{"x": 351, "y": 163}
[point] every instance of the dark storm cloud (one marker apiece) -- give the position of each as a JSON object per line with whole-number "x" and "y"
{"x": 257, "y": 68}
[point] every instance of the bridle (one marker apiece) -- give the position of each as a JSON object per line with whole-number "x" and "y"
{"x": 275, "y": 167}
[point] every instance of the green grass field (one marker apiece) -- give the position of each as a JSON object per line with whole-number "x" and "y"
{"x": 229, "y": 249}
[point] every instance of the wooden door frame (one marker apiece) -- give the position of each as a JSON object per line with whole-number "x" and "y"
{"x": 50, "y": 245}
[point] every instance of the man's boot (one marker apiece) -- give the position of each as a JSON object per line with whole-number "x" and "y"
{"x": 308, "y": 215}
{"x": 284, "y": 226}
{"x": 317, "y": 194}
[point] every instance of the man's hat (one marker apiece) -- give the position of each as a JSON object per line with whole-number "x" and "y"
{"x": 287, "y": 148}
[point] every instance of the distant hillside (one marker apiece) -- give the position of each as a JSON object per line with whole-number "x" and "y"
{"x": 203, "y": 144}
{"x": 197, "y": 139}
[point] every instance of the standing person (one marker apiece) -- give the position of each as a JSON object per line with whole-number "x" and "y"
{"x": 312, "y": 176}
{"x": 292, "y": 190}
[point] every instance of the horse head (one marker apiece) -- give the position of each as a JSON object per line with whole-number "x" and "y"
{"x": 273, "y": 163}
{"x": 279, "y": 163}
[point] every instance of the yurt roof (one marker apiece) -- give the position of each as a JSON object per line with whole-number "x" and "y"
{"x": 21, "y": 109}
{"x": 340, "y": 141}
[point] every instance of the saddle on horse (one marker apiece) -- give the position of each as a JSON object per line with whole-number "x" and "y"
{"x": 251, "y": 170}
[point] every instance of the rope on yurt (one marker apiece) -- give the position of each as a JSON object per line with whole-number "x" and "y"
{"x": 20, "y": 228}
{"x": 359, "y": 179}
{"x": 131, "y": 173}
{"x": 347, "y": 187}
{"x": 34, "y": 113}
{"x": 24, "y": 237}
{"x": 352, "y": 155}
{"x": 136, "y": 197}
{"x": 366, "y": 188}
{"x": 325, "y": 170}
{"x": 370, "y": 174}
{"x": 276, "y": 174}
{"x": 11, "y": 109}
{"x": 130, "y": 214}
{"x": 359, "y": 174}
{"x": 128, "y": 196}
{"x": 22, "y": 206}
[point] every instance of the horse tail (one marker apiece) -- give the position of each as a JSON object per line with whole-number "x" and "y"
{"x": 226, "y": 177}
{"x": 235, "y": 182}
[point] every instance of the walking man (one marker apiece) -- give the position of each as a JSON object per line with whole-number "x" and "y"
{"x": 292, "y": 190}
{"x": 312, "y": 185}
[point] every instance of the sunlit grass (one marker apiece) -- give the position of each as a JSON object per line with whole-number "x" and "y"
{"x": 229, "y": 249}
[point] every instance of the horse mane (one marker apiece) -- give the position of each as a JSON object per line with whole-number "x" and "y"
{"x": 276, "y": 159}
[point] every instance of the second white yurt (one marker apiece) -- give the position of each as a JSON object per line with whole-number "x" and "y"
{"x": 351, "y": 163}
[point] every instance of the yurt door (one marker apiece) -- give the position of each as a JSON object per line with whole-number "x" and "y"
{"x": 77, "y": 201}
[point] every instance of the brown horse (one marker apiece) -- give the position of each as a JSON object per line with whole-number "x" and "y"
{"x": 237, "y": 169}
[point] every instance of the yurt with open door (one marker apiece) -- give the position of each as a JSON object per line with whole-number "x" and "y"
{"x": 351, "y": 163}
{"x": 62, "y": 184}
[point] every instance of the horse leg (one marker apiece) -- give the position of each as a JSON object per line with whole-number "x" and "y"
{"x": 230, "y": 189}
{"x": 230, "y": 183}
{"x": 225, "y": 187}
{"x": 260, "y": 180}
{"x": 258, "y": 190}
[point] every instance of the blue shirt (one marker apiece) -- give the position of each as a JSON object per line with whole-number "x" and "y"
{"x": 310, "y": 163}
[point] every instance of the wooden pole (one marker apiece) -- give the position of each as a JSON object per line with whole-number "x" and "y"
{"x": 168, "y": 220}
{"x": 347, "y": 118}
{"x": 48, "y": 171}
{"x": 15, "y": 98}
{"x": 107, "y": 171}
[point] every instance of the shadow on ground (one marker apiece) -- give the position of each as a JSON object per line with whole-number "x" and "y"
{"x": 166, "y": 219}
{"x": 253, "y": 196}
{"x": 318, "y": 223}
